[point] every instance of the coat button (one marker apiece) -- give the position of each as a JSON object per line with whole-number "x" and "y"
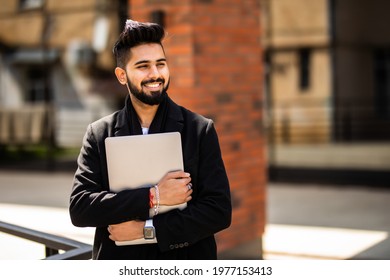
{"x": 181, "y": 245}
{"x": 186, "y": 244}
{"x": 171, "y": 247}
{"x": 176, "y": 246}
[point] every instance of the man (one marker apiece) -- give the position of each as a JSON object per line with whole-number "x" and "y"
{"x": 180, "y": 234}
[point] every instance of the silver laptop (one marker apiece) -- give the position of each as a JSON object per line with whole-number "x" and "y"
{"x": 141, "y": 161}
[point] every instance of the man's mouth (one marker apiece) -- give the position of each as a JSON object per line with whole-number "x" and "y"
{"x": 153, "y": 84}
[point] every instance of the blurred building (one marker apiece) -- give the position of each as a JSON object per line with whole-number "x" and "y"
{"x": 328, "y": 85}
{"x": 56, "y": 68}
{"x": 297, "y": 42}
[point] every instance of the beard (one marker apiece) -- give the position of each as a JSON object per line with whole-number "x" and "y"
{"x": 154, "y": 98}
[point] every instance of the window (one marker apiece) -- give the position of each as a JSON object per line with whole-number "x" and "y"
{"x": 123, "y": 15}
{"x": 30, "y": 4}
{"x": 382, "y": 83}
{"x": 304, "y": 68}
{"x": 37, "y": 85}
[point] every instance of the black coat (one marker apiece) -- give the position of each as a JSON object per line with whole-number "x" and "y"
{"x": 186, "y": 234}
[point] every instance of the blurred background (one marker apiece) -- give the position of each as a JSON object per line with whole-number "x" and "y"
{"x": 299, "y": 91}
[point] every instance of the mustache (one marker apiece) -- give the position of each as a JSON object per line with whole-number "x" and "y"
{"x": 159, "y": 80}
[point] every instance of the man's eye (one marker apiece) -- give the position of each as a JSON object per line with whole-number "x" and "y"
{"x": 142, "y": 66}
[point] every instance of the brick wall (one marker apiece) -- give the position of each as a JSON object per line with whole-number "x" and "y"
{"x": 214, "y": 54}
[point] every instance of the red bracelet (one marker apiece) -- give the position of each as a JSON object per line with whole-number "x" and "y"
{"x": 151, "y": 197}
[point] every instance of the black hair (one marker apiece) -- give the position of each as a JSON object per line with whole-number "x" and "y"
{"x": 136, "y": 33}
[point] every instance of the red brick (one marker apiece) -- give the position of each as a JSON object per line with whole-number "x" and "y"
{"x": 214, "y": 55}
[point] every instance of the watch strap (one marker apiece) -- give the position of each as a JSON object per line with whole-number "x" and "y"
{"x": 149, "y": 223}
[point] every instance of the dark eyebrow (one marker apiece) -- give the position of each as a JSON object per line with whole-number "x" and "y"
{"x": 148, "y": 61}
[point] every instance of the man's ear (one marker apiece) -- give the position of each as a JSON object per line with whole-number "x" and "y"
{"x": 121, "y": 75}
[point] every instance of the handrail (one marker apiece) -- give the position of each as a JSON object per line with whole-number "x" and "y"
{"x": 75, "y": 250}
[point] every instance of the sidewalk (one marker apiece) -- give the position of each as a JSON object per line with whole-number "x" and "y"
{"x": 328, "y": 222}
{"x": 304, "y": 222}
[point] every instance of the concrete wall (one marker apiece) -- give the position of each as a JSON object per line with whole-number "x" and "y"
{"x": 295, "y": 23}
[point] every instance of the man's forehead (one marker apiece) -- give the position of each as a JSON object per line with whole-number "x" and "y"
{"x": 147, "y": 52}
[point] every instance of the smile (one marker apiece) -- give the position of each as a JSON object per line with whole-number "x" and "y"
{"x": 152, "y": 85}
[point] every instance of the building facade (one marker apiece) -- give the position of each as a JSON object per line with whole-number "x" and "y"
{"x": 361, "y": 65}
{"x": 56, "y": 58}
{"x": 328, "y": 70}
{"x": 327, "y": 90}
{"x": 297, "y": 42}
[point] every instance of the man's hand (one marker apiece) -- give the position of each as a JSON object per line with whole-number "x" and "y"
{"x": 126, "y": 231}
{"x": 174, "y": 188}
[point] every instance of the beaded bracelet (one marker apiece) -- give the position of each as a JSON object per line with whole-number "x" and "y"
{"x": 151, "y": 197}
{"x": 157, "y": 205}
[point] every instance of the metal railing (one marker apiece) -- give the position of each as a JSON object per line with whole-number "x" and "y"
{"x": 74, "y": 250}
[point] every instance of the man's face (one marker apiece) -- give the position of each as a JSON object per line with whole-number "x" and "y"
{"x": 147, "y": 73}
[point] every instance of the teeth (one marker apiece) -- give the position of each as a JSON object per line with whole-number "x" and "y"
{"x": 154, "y": 85}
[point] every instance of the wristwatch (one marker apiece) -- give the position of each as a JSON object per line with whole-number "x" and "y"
{"x": 149, "y": 232}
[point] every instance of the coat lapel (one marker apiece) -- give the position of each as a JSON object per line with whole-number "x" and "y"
{"x": 121, "y": 126}
{"x": 174, "y": 120}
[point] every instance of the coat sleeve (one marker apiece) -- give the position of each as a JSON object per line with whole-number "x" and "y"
{"x": 91, "y": 202}
{"x": 207, "y": 213}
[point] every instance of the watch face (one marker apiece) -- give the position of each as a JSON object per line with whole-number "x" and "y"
{"x": 149, "y": 232}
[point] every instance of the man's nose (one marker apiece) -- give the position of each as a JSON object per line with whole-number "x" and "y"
{"x": 153, "y": 72}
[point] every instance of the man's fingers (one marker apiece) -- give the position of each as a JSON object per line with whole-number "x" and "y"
{"x": 178, "y": 174}
{"x": 185, "y": 181}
